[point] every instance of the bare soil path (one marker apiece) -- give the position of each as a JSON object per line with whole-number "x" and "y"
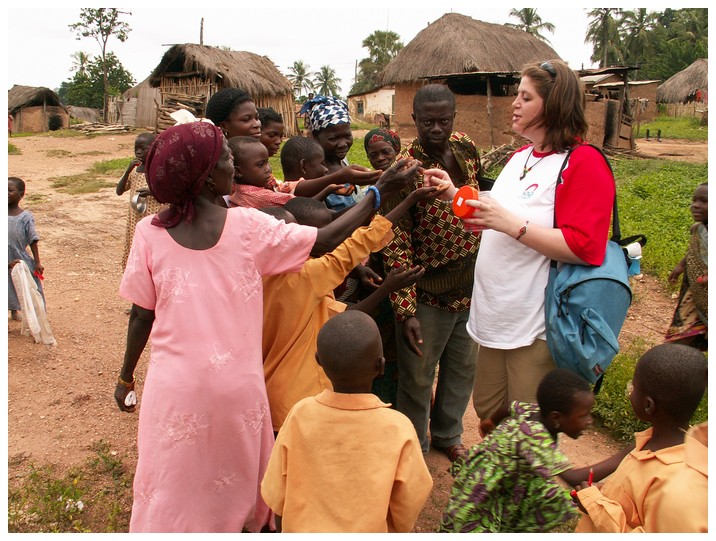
{"x": 60, "y": 399}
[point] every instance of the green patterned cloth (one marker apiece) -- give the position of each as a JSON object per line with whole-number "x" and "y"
{"x": 507, "y": 482}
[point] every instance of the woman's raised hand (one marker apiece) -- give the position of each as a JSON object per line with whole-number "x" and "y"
{"x": 439, "y": 178}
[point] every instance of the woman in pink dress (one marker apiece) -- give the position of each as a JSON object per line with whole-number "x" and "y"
{"x": 194, "y": 278}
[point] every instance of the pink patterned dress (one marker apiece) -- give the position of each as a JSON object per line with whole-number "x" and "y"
{"x": 205, "y": 432}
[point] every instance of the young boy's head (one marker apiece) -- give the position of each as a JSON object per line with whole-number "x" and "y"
{"x": 308, "y": 211}
{"x": 233, "y": 110}
{"x": 142, "y": 144}
{"x": 272, "y": 129}
{"x": 15, "y": 190}
{"x": 669, "y": 382}
{"x": 279, "y": 213}
{"x": 302, "y": 157}
{"x": 565, "y": 401}
{"x": 251, "y": 163}
{"x": 350, "y": 351}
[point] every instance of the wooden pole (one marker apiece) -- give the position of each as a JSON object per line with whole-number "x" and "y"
{"x": 201, "y": 32}
{"x": 489, "y": 112}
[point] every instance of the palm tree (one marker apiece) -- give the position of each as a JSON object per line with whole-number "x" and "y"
{"x": 636, "y": 28}
{"x": 603, "y": 33}
{"x": 300, "y": 78}
{"x": 326, "y": 81}
{"x": 80, "y": 60}
{"x": 530, "y": 22}
{"x": 382, "y": 47}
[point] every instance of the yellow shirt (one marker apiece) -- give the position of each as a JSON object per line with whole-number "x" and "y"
{"x": 631, "y": 499}
{"x": 684, "y": 506}
{"x": 346, "y": 463}
{"x": 296, "y": 305}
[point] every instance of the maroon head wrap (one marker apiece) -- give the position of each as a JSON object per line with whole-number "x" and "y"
{"x": 177, "y": 166}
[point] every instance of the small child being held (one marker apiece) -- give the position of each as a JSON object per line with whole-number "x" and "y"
{"x": 508, "y": 482}
{"x": 669, "y": 383}
{"x": 21, "y": 233}
{"x": 344, "y": 461}
{"x": 134, "y": 180}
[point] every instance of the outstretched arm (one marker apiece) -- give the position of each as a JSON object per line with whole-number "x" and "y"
{"x": 395, "y": 280}
{"x": 576, "y": 476}
{"x": 138, "y": 330}
{"x": 351, "y": 174}
{"x": 122, "y": 184}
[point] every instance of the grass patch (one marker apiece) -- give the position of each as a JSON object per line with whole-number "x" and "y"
{"x": 36, "y": 198}
{"x": 675, "y": 128}
{"x": 57, "y": 153}
{"x": 13, "y": 150}
{"x": 654, "y": 199}
{"x": 82, "y": 183}
{"x": 94, "y": 497}
{"x": 111, "y": 167}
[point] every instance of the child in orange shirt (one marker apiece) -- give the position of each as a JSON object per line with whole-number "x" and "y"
{"x": 344, "y": 461}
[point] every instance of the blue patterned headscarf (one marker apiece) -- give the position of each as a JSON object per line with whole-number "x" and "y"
{"x": 325, "y": 111}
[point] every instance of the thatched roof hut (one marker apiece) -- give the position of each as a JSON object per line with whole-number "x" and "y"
{"x": 198, "y": 71}
{"x": 19, "y": 97}
{"x": 36, "y": 109}
{"x": 682, "y": 86}
{"x": 86, "y": 114}
{"x": 457, "y": 43}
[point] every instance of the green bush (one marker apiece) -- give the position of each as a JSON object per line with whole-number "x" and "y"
{"x": 654, "y": 199}
{"x": 12, "y": 149}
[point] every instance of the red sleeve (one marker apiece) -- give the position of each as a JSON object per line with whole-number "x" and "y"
{"x": 584, "y": 204}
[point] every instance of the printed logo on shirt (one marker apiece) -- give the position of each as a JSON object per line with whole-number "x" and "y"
{"x": 529, "y": 191}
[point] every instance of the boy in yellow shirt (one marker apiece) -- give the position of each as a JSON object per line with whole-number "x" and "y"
{"x": 344, "y": 461}
{"x": 669, "y": 382}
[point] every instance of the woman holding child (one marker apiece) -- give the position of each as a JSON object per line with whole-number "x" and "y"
{"x": 526, "y": 223}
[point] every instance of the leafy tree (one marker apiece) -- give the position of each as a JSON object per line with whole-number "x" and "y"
{"x": 603, "y": 32}
{"x": 101, "y": 24}
{"x": 300, "y": 78}
{"x": 636, "y": 29}
{"x": 530, "y": 22}
{"x": 87, "y": 89}
{"x": 326, "y": 82}
{"x": 382, "y": 47}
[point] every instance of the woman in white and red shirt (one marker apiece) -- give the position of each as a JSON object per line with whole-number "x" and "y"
{"x": 519, "y": 237}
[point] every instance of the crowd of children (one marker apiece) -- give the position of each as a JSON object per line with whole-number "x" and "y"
{"x": 344, "y": 460}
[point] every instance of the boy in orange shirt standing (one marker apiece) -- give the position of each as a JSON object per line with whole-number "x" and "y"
{"x": 344, "y": 461}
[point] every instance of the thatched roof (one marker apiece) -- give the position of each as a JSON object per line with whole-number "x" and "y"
{"x": 460, "y": 44}
{"x": 258, "y": 75}
{"x": 85, "y": 113}
{"x": 31, "y": 96}
{"x": 678, "y": 87}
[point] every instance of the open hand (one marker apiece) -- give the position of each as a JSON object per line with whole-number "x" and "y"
{"x": 401, "y": 277}
{"x": 440, "y": 178}
{"x": 399, "y": 175}
{"x": 367, "y": 277}
{"x": 345, "y": 190}
{"x": 427, "y": 192}
{"x": 362, "y": 176}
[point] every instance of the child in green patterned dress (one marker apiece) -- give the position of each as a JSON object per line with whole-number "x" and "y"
{"x": 508, "y": 482}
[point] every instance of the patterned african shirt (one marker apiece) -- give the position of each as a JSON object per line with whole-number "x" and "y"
{"x": 508, "y": 483}
{"x": 431, "y": 236}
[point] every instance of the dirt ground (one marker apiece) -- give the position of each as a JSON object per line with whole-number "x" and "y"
{"x": 60, "y": 400}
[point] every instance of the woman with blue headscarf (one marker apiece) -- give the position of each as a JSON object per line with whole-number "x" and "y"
{"x": 329, "y": 123}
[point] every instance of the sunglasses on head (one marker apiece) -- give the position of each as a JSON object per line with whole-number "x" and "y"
{"x": 549, "y": 68}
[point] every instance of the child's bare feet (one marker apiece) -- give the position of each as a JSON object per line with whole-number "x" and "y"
{"x": 15, "y": 316}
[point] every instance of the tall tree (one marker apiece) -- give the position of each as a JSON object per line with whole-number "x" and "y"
{"x": 603, "y": 33}
{"x": 101, "y": 24}
{"x": 636, "y": 30}
{"x": 326, "y": 82}
{"x": 530, "y": 22}
{"x": 300, "y": 78}
{"x": 383, "y": 46}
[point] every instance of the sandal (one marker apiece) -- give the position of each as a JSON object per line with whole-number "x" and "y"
{"x": 453, "y": 452}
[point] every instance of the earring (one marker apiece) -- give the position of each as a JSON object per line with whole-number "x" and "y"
{"x": 212, "y": 185}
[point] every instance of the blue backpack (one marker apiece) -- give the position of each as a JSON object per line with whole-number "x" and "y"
{"x": 585, "y": 306}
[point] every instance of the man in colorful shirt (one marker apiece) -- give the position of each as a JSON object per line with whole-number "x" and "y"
{"x": 433, "y": 313}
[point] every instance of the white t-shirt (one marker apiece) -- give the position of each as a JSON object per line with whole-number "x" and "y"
{"x": 507, "y": 308}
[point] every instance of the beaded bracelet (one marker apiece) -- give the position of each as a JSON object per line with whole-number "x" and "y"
{"x": 376, "y": 191}
{"x": 127, "y": 384}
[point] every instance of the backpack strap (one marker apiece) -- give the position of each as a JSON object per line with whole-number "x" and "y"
{"x": 616, "y": 231}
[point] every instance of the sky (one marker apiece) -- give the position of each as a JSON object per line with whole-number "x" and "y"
{"x": 40, "y": 44}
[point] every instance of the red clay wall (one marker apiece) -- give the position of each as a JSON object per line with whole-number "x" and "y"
{"x": 35, "y": 119}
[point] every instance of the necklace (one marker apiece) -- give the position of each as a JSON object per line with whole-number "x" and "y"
{"x": 526, "y": 169}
